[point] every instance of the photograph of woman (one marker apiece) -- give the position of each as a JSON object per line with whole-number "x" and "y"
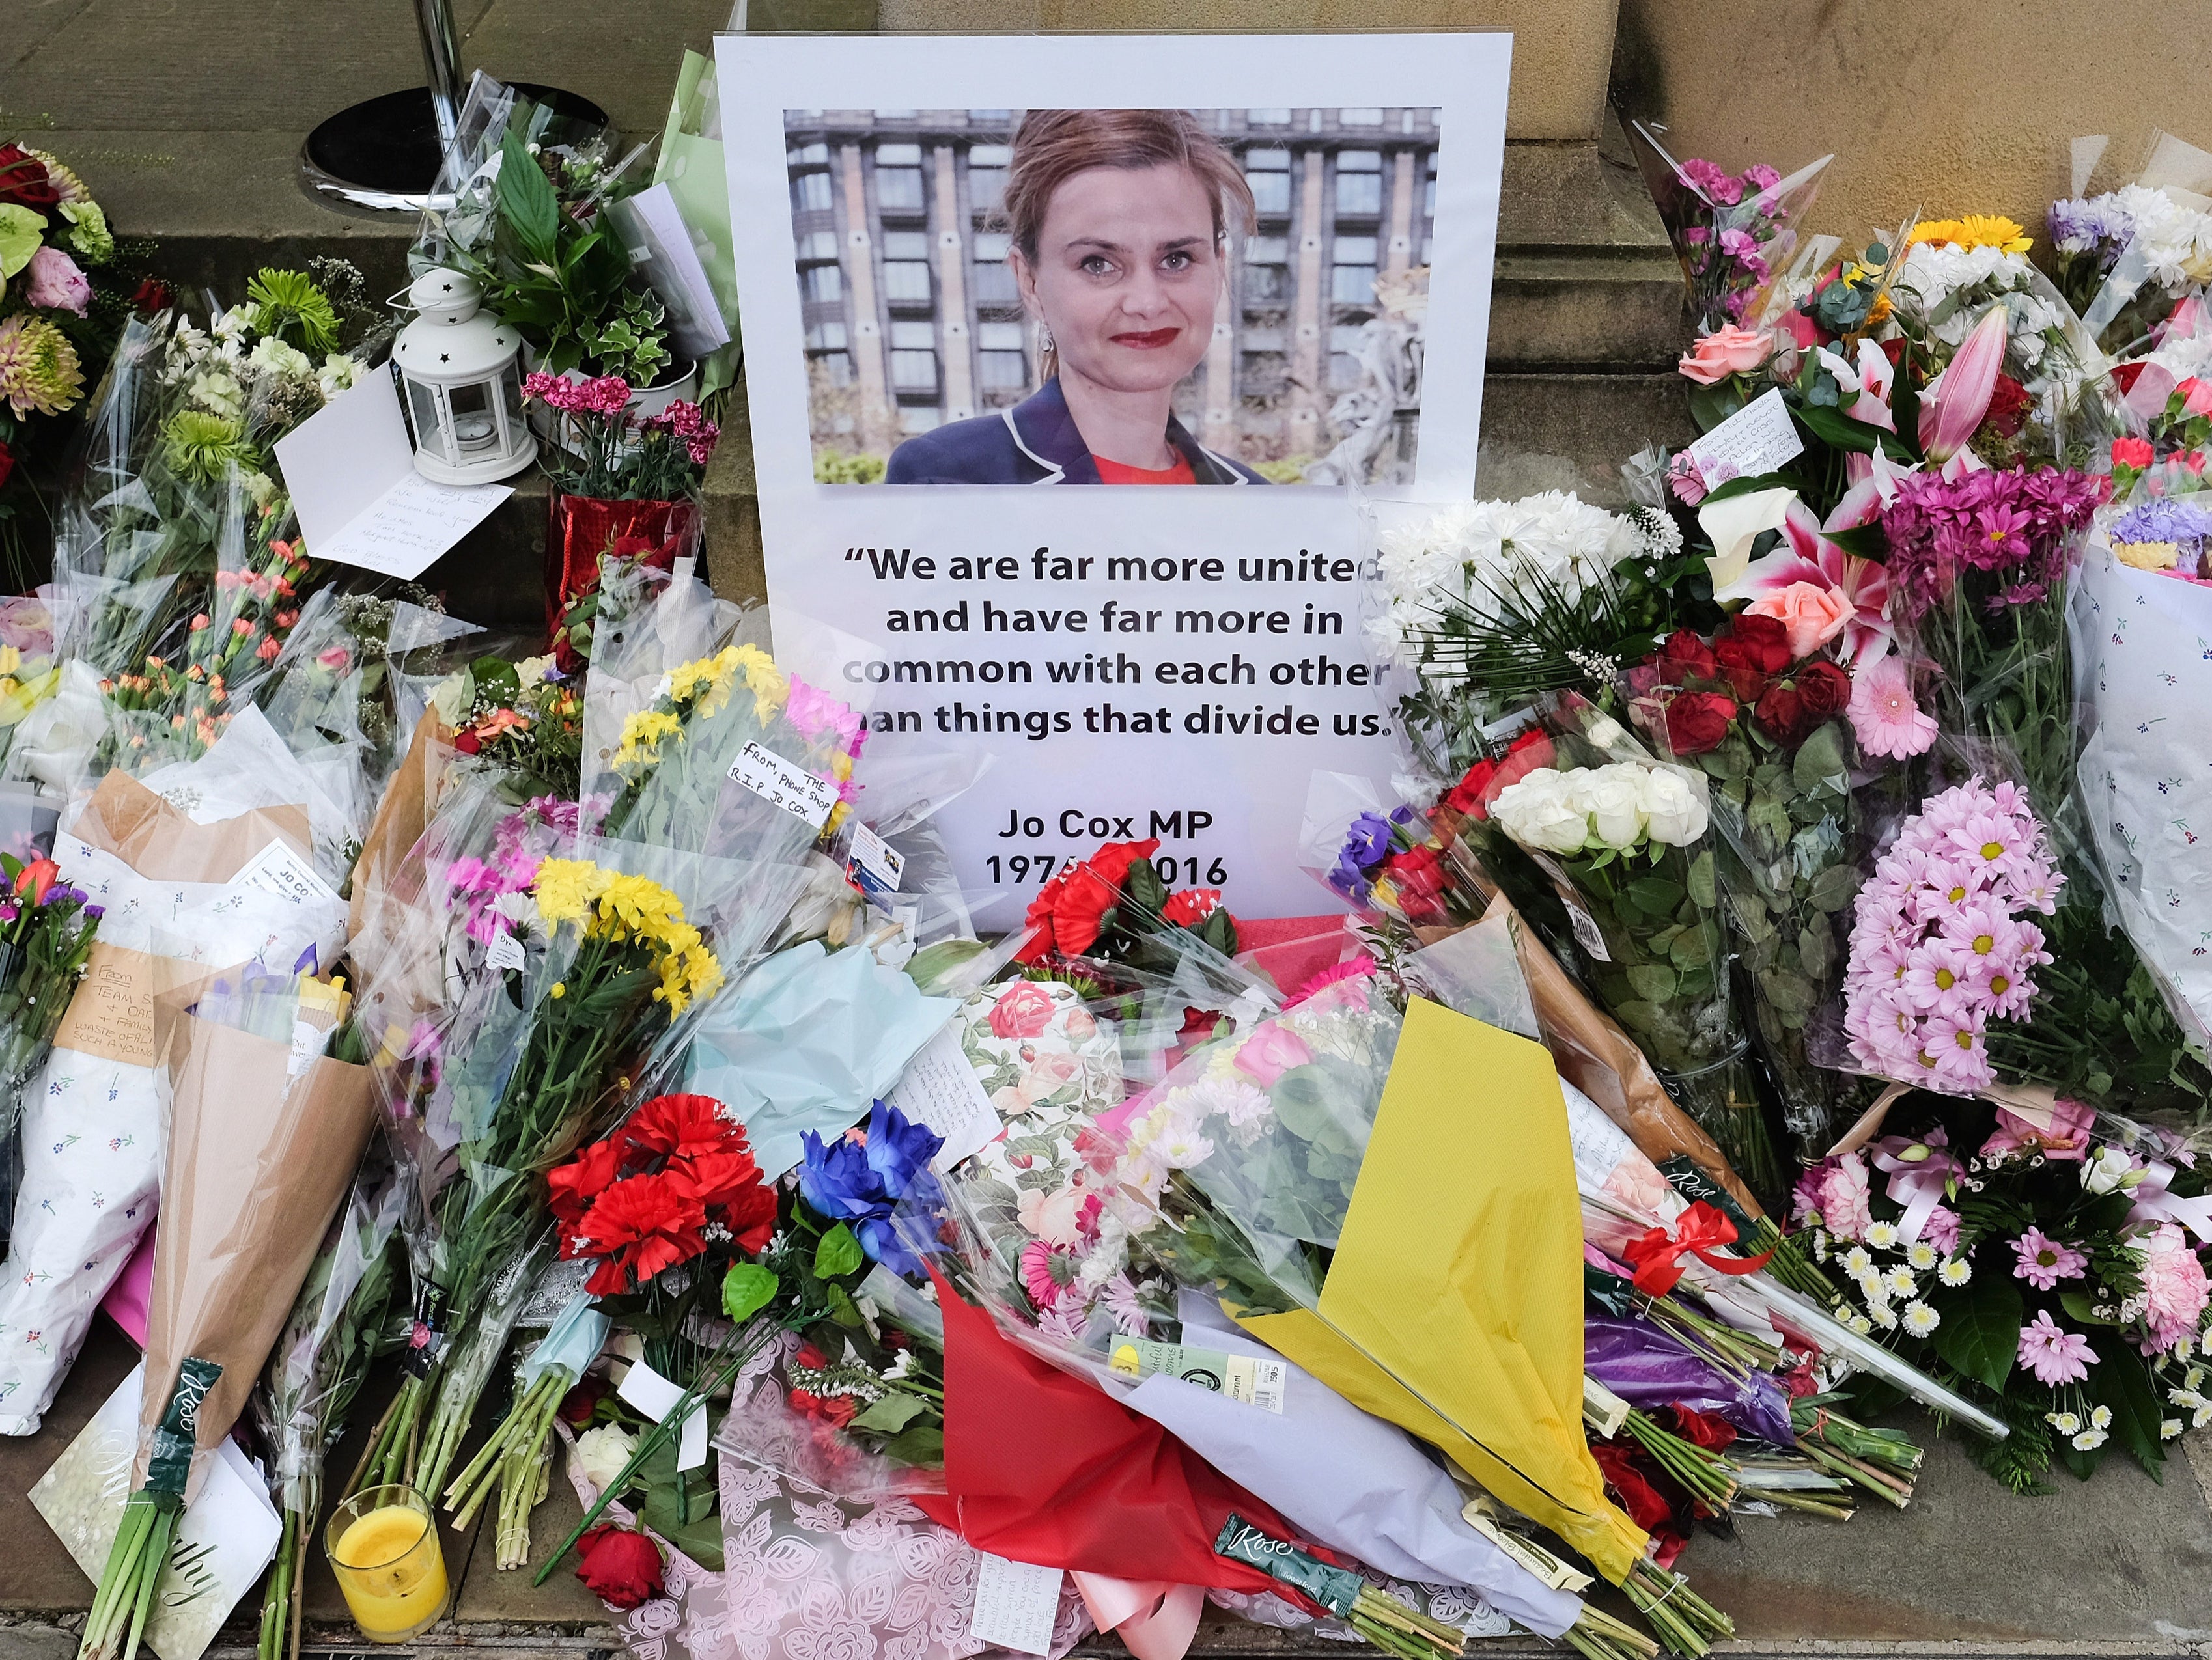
{"x": 1118, "y": 226}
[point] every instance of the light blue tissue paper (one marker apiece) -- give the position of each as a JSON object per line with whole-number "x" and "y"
{"x": 808, "y": 1041}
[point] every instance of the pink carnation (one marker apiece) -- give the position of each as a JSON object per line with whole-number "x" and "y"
{"x": 2173, "y": 1284}
{"x": 1845, "y": 1206}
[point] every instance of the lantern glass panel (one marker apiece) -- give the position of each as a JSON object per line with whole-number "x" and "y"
{"x": 423, "y": 402}
{"x": 510, "y": 393}
{"x": 473, "y": 426}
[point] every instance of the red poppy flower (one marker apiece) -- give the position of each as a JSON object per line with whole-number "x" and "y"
{"x": 573, "y": 1186}
{"x": 637, "y": 1228}
{"x": 1191, "y": 907}
{"x": 619, "y": 1566}
{"x": 683, "y": 1126}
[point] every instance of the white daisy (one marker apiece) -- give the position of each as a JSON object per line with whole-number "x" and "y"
{"x": 2089, "y": 1440}
{"x": 1922, "y": 1256}
{"x": 2169, "y": 1429}
{"x": 1920, "y": 1319}
{"x": 2065, "y": 1423}
{"x": 1882, "y": 1236}
{"x": 1900, "y": 1282}
{"x": 1856, "y": 1262}
{"x": 1860, "y": 1324}
{"x": 2100, "y": 1417}
{"x": 1956, "y": 1272}
{"x": 1883, "y": 1316}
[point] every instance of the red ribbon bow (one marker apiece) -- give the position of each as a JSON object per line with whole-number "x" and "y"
{"x": 1656, "y": 1256}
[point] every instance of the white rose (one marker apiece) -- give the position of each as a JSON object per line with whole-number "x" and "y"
{"x": 602, "y": 1452}
{"x": 1612, "y": 797}
{"x": 1605, "y": 732}
{"x": 1674, "y": 807}
{"x": 1535, "y": 813}
{"x": 2107, "y": 1171}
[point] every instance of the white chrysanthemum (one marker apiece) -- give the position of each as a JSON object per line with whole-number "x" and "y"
{"x": 1882, "y": 1315}
{"x": 2066, "y": 1423}
{"x": 1860, "y": 1324}
{"x": 1956, "y": 1272}
{"x": 1922, "y": 1257}
{"x": 2089, "y": 1440}
{"x": 1882, "y": 1236}
{"x": 2100, "y": 1417}
{"x": 1857, "y": 1262}
{"x": 1899, "y": 1282}
{"x": 1920, "y": 1319}
{"x": 274, "y": 356}
{"x": 2169, "y": 1428}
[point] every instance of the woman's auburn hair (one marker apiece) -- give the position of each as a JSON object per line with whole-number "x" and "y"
{"x": 1052, "y": 146}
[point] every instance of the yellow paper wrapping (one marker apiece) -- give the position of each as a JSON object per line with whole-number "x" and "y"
{"x": 1453, "y": 1307}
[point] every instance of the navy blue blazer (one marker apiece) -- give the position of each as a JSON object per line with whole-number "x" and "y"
{"x": 1035, "y": 442}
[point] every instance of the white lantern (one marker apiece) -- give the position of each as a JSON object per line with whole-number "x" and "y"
{"x": 463, "y": 376}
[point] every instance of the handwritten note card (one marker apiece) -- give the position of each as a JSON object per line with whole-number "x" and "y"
{"x": 1758, "y": 439}
{"x": 1016, "y": 1604}
{"x": 350, "y": 468}
{"x": 939, "y": 1088}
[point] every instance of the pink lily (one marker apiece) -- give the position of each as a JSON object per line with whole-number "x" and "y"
{"x": 1871, "y": 379}
{"x": 1957, "y": 399}
{"x": 1807, "y": 555}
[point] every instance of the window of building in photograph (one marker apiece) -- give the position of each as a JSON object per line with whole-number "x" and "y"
{"x": 1428, "y": 206}
{"x": 898, "y": 178}
{"x": 906, "y": 267}
{"x": 808, "y": 155}
{"x": 993, "y": 279}
{"x": 1352, "y": 275}
{"x": 1267, "y": 118}
{"x": 1002, "y": 366}
{"x": 1267, "y": 270}
{"x": 918, "y": 418}
{"x": 810, "y": 192}
{"x": 818, "y": 245}
{"x": 914, "y": 358}
{"x": 1344, "y": 372}
{"x": 826, "y": 346}
{"x": 1358, "y": 184}
{"x": 986, "y": 177}
{"x": 823, "y": 285}
{"x": 1359, "y": 118}
{"x": 1268, "y": 173}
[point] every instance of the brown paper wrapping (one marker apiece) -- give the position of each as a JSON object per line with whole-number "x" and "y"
{"x": 125, "y": 1007}
{"x": 410, "y": 801}
{"x": 126, "y": 819}
{"x": 255, "y": 1170}
{"x": 1599, "y": 1059}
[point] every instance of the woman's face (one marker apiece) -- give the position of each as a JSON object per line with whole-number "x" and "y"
{"x": 1126, "y": 275}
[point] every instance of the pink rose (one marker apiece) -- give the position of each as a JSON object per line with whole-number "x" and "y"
{"x": 1022, "y": 1010}
{"x": 1813, "y": 614}
{"x": 1055, "y": 1218}
{"x": 1725, "y": 352}
{"x": 2195, "y": 395}
{"x": 1271, "y": 1051}
{"x": 53, "y": 282}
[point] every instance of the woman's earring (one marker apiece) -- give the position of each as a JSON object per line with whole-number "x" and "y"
{"x": 1044, "y": 338}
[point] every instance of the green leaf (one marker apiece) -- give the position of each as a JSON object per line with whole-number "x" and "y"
{"x": 2081, "y": 1309}
{"x": 1791, "y": 994}
{"x": 747, "y": 1288}
{"x": 1816, "y": 949}
{"x": 1143, "y": 886}
{"x": 1655, "y": 895}
{"x": 1839, "y": 431}
{"x": 526, "y": 201}
{"x": 891, "y": 1414}
{"x": 1820, "y": 764}
{"x": 922, "y": 1447}
{"x": 1711, "y": 405}
{"x": 2124, "y": 1383}
{"x": 1980, "y": 1333}
{"x": 1860, "y": 541}
{"x": 841, "y": 1307}
{"x": 1834, "y": 889}
{"x": 838, "y": 1254}
{"x": 1700, "y": 879}
{"x": 681, "y": 1510}
{"x": 1653, "y": 982}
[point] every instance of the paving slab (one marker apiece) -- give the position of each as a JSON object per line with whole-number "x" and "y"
{"x": 37, "y": 1574}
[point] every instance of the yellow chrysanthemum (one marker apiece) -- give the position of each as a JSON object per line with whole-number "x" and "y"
{"x": 1975, "y": 230}
{"x": 841, "y": 766}
{"x": 642, "y": 737}
{"x": 764, "y": 680}
{"x": 707, "y": 681}
{"x": 637, "y": 906}
{"x": 686, "y": 974}
{"x": 566, "y": 888}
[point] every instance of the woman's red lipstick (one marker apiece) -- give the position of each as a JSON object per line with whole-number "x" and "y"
{"x": 1146, "y": 342}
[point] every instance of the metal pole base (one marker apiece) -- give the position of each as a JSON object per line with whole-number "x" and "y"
{"x": 382, "y": 155}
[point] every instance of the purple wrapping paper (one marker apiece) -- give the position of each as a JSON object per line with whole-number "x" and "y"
{"x": 1646, "y": 1368}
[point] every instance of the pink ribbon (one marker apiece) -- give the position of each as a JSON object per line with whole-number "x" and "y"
{"x": 2155, "y": 1201}
{"x": 1155, "y": 1619}
{"x": 1919, "y": 1184}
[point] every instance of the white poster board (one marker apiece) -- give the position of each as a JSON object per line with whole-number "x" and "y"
{"x": 1140, "y": 660}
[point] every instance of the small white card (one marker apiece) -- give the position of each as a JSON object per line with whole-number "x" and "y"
{"x": 784, "y": 784}
{"x": 656, "y": 1397}
{"x": 1016, "y": 1604}
{"x": 875, "y": 865}
{"x": 661, "y": 244}
{"x": 350, "y": 468}
{"x": 279, "y": 869}
{"x": 1758, "y": 439}
{"x": 940, "y": 1089}
{"x": 506, "y": 951}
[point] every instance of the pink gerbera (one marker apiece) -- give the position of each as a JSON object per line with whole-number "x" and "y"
{"x": 2054, "y": 1354}
{"x": 1038, "y": 1279}
{"x": 2043, "y": 1261}
{"x": 1883, "y": 715}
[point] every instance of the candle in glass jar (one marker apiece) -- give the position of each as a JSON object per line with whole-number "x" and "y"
{"x": 388, "y": 1565}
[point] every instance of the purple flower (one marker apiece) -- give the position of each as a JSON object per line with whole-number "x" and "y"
{"x": 2164, "y": 518}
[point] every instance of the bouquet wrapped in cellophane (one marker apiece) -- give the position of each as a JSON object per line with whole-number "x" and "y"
{"x": 46, "y": 929}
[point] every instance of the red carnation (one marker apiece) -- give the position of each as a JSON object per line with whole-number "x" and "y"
{"x": 637, "y": 1228}
{"x": 683, "y": 1126}
{"x": 1697, "y": 722}
{"x": 24, "y": 180}
{"x": 619, "y": 1566}
{"x": 573, "y": 1186}
{"x": 1823, "y": 688}
{"x": 727, "y": 1187}
{"x": 2134, "y": 453}
{"x": 2007, "y": 411}
{"x": 1191, "y": 906}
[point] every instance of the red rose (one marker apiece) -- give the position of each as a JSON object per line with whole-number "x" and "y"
{"x": 1470, "y": 796}
{"x": 2007, "y": 411}
{"x": 7, "y": 463}
{"x": 1417, "y": 878}
{"x": 1781, "y": 714}
{"x": 1823, "y": 688}
{"x": 1893, "y": 349}
{"x": 2134, "y": 453}
{"x": 1697, "y": 722}
{"x": 1642, "y": 1501}
{"x": 1687, "y": 658}
{"x": 619, "y": 1567}
{"x": 1022, "y": 1010}
{"x": 1713, "y": 1433}
{"x": 24, "y": 180}
{"x": 467, "y": 741}
{"x": 1191, "y": 906}
{"x": 1752, "y": 649}
{"x": 151, "y": 296}
{"x": 579, "y": 1402}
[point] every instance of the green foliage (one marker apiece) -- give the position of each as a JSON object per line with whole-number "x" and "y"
{"x": 1979, "y": 1336}
{"x": 747, "y": 1288}
{"x": 835, "y": 467}
{"x": 838, "y": 1253}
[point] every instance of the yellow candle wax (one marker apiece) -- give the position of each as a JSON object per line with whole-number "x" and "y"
{"x": 392, "y": 1573}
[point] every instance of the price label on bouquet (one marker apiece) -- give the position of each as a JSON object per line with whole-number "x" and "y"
{"x": 506, "y": 952}
{"x": 1246, "y": 1377}
{"x": 784, "y": 784}
{"x": 1587, "y": 933}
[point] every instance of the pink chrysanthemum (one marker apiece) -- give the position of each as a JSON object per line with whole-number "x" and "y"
{"x": 2043, "y": 1261}
{"x": 2054, "y": 1354}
